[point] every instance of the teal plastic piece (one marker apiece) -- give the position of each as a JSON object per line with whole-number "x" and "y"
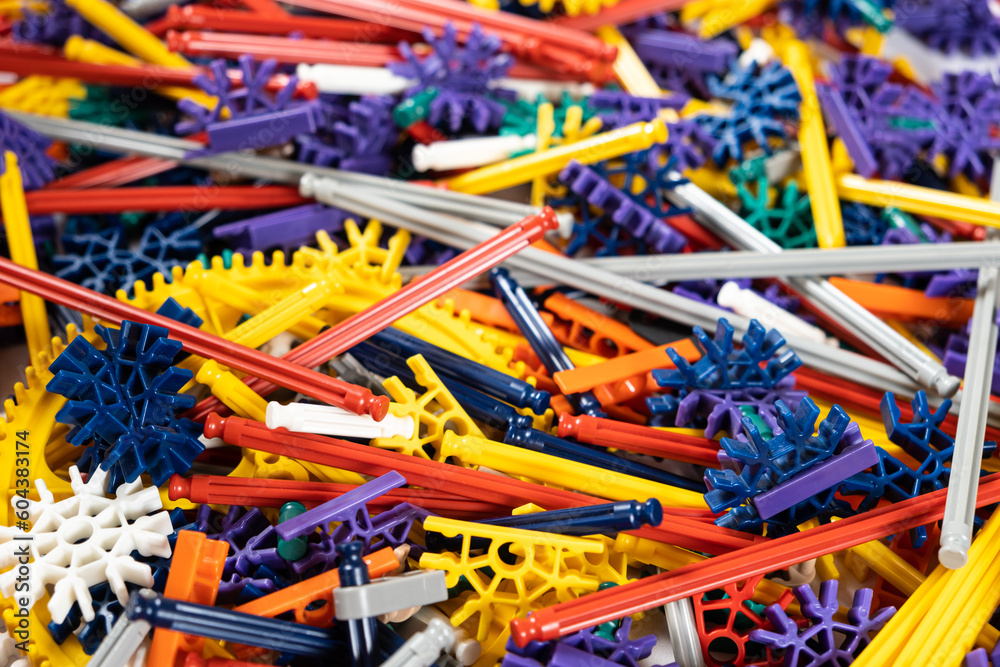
{"x": 414, "y": 109}
{"x": 293, "y": 549}
{"x": 787, "y": 221}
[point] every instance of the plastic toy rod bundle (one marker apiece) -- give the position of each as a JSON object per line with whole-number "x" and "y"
{"x": 561, "y": 270}
{"x": 204, "y": 344}
{"x": 879, "y": 336}
{"x": 627, "y": 11}
{"x": 959, "y": 510}
{"x": 122, "y": 29}
{"x": 160, "y": 198}
{"x": 452, "y": 231}
{"x": 681, "y": 529}
{"x": 346, "y": 334}
{"x": 697, "y": 578}
{"x": 22, "y": 250}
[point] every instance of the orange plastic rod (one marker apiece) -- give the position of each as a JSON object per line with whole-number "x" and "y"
{"x": 297, "y": 597}
{"x": 593, "y": 331}
{"x": 690, "y": 580}
{"x": 623, "y": 367}
{"x": 902, "y": 303}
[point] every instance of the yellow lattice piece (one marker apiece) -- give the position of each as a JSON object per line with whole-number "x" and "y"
{"x": 540, "y": 574}
{"x": 43, "y": 651}
{"x": 434, "y": 412}
{"x": 44, "y": 95}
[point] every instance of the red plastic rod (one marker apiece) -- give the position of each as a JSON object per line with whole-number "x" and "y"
{"x": 220, "y": 490}
{"x": 304, "y": 380}
{"x": 627, "y": 11}
{"x": 147, "y": 76}
{"x": 358, "y": 327}
{"x": 546, "y": 44}
{"x": 285, "y": 50}
{"x": 660, "y": 589}
{"x": 120, "y": 171}
{"x": 683, "y": 531}
{"x": 161, "y": 198}
{"x": 641, "y": 439}
{"x": 202, "y": 17}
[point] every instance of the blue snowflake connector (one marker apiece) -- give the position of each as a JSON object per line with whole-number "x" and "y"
{"x": 722, "y": 366}
{"x": 827, "y": 642}
{"x": 755, "y": 464}
{"x": 123, "y": 401}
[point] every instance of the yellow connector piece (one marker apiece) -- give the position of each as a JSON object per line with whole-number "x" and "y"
{"x": 815, "y": 152}
{"x": 565, "y": 473}
{"x": 88, "y": 51}
{"x": 628, "y": 139}
{"x": 715, "y": 17}
{"x": 226, "y": 387}
{"x": 545, "y": 127}
{"x": 22, "y": 250}
{"x": 628, "y": 68}
{"x": 919, "y": 200}
{"x": 540, "y": 578}
{"x": 42, "y": 95}
{"x": 133, "y": 37}
{"x": 434, "y": 412}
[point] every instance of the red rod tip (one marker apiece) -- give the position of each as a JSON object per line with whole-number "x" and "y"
{"x": 179, "y": 487}
{"x": 214, "y": 426}
{"x": 524, "y": 630}
{"x": 569, "y": 425}
{"x": 377, "y": 407}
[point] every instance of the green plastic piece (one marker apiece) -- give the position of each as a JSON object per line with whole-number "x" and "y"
{"x": 753, "y": 169}
{"x": 607, "y": 630}
{"x": 788, "y": 222}
{"x": 521, "y": 116}
{"x": 414, "y": 109}
{"x": 873, "y": 14}
{"x": 751, "y": 413}
{"x": 909, "y": 123}
{"x": 292, "y": 549}
{"x": 227, "y": 259}
{"x": 903, "y": 220}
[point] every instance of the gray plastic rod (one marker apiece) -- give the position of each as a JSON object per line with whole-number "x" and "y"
{"x": 117, "y": 140}
{"x": 967, "y": 456}
{"x": 464, "y": 234}
{"x": 891, "y": 345}
{"x": 805, "y": 262}
{"x": 121, "y": 643}
{"x": 683, "y": 633}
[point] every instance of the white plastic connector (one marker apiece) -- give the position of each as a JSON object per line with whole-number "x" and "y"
{"x": 465, "y": 649}
{"x": 751, "y": 305}
{"x": 354, "y": 80}
{"x": 423, "y": 648}
{"x": 331, "y": 420}
{"x": 530, "y": 89}
{"x": 759, "y": 52}
{"x": 465, "y": 153}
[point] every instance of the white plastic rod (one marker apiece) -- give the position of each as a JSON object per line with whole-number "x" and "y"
{"x": 331, "y": 420}
{"x": 749, "y": 304}
{"x": 465, "y": 153}
{"x": 530, "y": 89}
{"x": 683, "y": 633}
{"x": 353, "y": 79}
{"x": 967, "y": 456}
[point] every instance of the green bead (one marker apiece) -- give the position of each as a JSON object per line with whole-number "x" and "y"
{"x": 291, "y": 549}
{"x": 607, "y": 630}
{"x": 751, "y": 413}
{"x": 415, "y": 109}
{"x": 902, "y": 220}
{"x": 873, "y": 14}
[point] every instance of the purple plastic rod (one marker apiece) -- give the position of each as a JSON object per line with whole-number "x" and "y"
{"x": 564, "y": 655}
{"x": 684, "y": 51}
{"x": 339, "y": 509}
{"x": 289, "y": 228}
{"x": 836, "y": 110}
{"x": 818, "y": 478}
{"x": 264, "y": 130}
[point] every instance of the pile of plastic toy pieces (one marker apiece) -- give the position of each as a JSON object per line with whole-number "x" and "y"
{"x": 575, "y": 333}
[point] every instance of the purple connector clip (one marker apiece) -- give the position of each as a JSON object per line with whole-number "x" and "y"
{"x": 339, "y": 509}
{"x": 288, "y": 228}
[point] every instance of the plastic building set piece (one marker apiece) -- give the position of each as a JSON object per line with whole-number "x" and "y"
{"x": 37, "y": 168}
{"x": 361, "y": 631}
{"x": 817, "y": 644}
{"x": 388, "y": 594}
{"x": 423, "y": 648}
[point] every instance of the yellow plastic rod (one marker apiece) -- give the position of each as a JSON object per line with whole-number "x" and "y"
{"x": 628, "y": 68}
{"x": 815, "y": 152}
{"x": 88, "y": 51}
{"x": 564, "y": 472}
{"x": 604, "y": 146}
{"x": 919, "y": 200}
{"x": 248, "y": 300}
{"x": 226, "y": 387}
{"x": 545, "y": 127}
{"x": 22, "y": 251}
{"x": 130, "y": 35}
